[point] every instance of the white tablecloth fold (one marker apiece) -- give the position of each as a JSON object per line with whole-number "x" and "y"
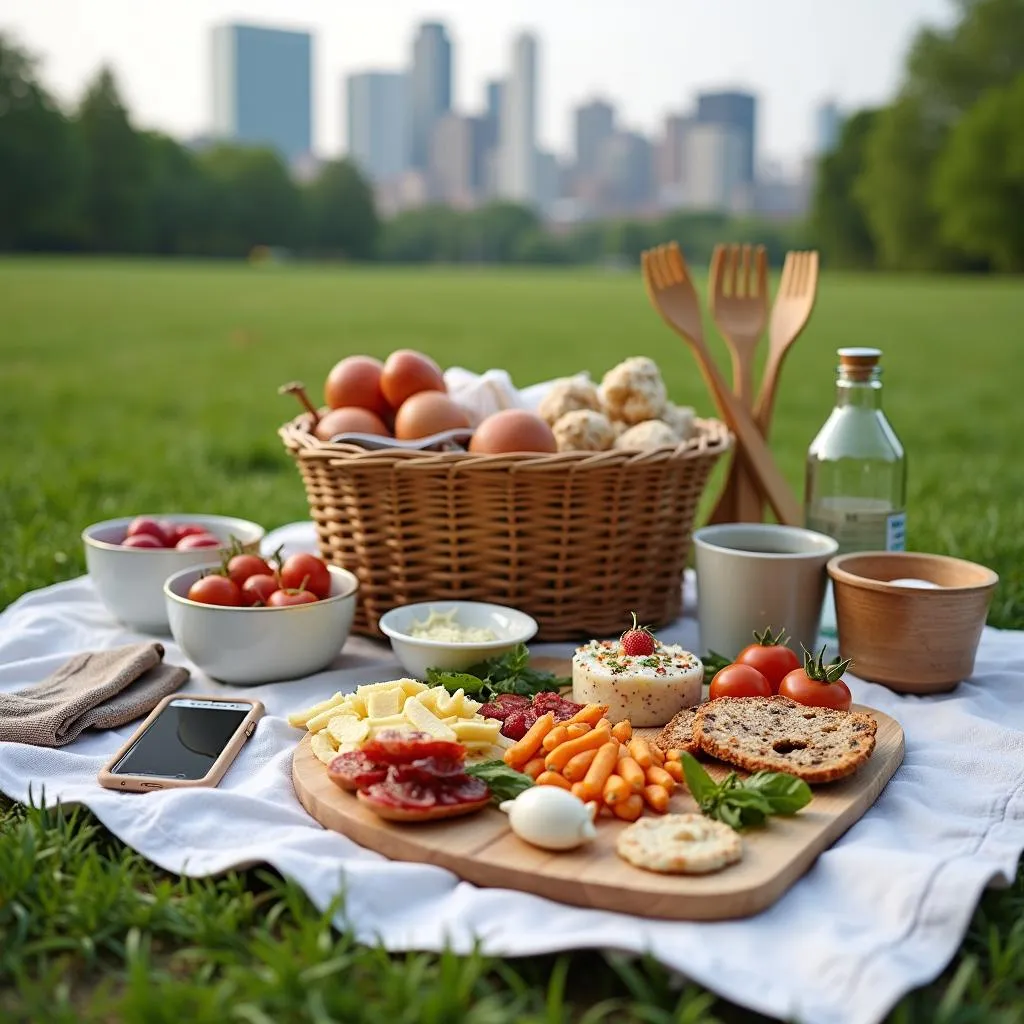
{"x": 880, "y": 913}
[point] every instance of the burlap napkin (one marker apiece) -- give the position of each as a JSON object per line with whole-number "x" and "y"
{"x": 97, "y": 690}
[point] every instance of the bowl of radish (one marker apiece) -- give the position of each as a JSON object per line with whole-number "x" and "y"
{"x": 129, "y": 559}
{"x": 247, "y": 620}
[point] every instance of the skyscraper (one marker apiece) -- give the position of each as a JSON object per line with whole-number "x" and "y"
{"x": 378, "y": 123}
{"x": 595, "y": 122}
{"x": 431, "y": 87}
{"x": 456, "y": 160}
{"x": 518, "y": 146}
{"x": 736, "y": 110}
{"x": 713, "y": 166}
{"x": 262, "y": 88}
{"x": 492, "y": 113}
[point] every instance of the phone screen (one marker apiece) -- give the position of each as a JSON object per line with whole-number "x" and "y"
{"x": 184, "y": 740}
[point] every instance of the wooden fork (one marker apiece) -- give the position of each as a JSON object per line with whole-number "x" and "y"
{"x": 671, "y": 291}
{"x": 739, "y": 306}
{"x": 794, "y": 301}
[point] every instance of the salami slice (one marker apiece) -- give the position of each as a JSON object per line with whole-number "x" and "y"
{"x": 428, "y": 770}
{"x": 355, "y": 770}
{"x": 398, "y": 746}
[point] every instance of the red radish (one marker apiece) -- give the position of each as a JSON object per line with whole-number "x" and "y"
{"x": 142, "y": 540}
{"x": 150, "y": 527}
{"x": 198, "y": 540}
{"x": 257, "y": 589}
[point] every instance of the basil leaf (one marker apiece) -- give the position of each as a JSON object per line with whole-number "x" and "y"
{"x": 453, "y": 681}
{"x": 701, "y": 786}
{"x": 504, "y": 783}
{"x": 786, "y": 793}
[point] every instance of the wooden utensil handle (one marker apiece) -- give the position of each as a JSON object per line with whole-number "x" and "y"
{"x": 759, "y": 458}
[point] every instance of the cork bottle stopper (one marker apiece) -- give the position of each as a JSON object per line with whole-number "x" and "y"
{"x": 859, "y": 363}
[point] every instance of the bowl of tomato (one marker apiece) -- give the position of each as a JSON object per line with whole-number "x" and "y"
{"x": 128, "y": 559}
{"x": 293, "y": 630}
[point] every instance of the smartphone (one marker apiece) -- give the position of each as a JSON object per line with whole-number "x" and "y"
{"x": 185, "y": 741}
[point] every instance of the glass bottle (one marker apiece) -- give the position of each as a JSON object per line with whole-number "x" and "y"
{"x": 856, "y": 482}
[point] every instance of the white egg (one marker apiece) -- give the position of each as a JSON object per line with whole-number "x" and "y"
{"x": 550, "y": 818}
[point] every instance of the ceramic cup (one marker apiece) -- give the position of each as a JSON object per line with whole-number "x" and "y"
{"x": 754, "y": 575}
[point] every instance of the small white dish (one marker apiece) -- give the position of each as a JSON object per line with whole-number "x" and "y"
{"x": 130, "y": 581}
{"x": 417, "y": 654}
{"x": 249, "y": 646}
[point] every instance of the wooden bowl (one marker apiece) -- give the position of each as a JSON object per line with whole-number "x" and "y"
{"x": 910, "y": 639}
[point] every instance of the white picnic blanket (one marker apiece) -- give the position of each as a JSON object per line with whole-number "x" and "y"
{"x": 880, "y": 913}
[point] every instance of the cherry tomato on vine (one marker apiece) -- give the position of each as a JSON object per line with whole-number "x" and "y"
{"x": 215, "y": 589}
{"x": 739, "y": 681}
{"x": 288, "y": 598}
{"x": 257, "y": 589}
{"x": 305, "y": 571}
{"x": 817, "y": 684}
{"x": 771, "y": 657}
{"x": 241, "y": 567}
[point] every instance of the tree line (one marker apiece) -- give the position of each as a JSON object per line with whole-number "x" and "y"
{"x": 935, "y": 180}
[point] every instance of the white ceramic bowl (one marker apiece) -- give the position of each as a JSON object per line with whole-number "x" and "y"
{"x": 130, "y": 581}
{"x": 417, "y": 654}
{"x": 247, "y": 646}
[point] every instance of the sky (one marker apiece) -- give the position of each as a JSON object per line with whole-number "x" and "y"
{"x": 649, "y": 57}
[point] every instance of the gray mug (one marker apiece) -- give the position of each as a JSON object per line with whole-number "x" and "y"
{"x": 754, "y": 575}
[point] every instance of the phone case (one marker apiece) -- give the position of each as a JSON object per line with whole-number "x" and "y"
{"x": 146, "y": 783}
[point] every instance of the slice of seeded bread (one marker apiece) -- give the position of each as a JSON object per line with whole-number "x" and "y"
{"x": 778, "y": 735}
{"x": 678, "y": 734}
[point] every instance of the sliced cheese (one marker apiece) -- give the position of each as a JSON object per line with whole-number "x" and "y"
{"x": 383, "y": 703}
{"x": 348, "y": 729}
{"x": 423, "y": 719}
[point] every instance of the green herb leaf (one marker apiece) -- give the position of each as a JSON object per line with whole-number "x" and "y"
{"x": 744, "y": 803}
{"x": 453, "y": 681}
{"x": 505, "y": 783}
{"x": 702, "y": 787}
{"x": 506, "y": 673}
{"x": 713, "y": 662}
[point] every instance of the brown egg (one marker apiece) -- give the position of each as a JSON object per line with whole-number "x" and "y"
{"x": 426, "y": 413}
{"x": 356, "y": 381}
{"x": 512, "y": 430}
{"x": 407, "y": 373}
{"x": 350, "y": 420}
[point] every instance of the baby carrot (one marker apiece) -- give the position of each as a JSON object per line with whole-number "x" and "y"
{"x": 577, "y": 729}
{"x": 559, "y": 757}
{"x": 604, "y": 724}
{"x": 579, "y": 790}
{"x": 659, "y": 777}
{"x": 616, "y": 790}
{"x": 601, "y": 768}
{"x": 553, "y": 779}
{"x": 590, "y": 714}
{"x": 629, "y": 809}
{"x": 632, "y": 774}
{"x": 640, "y": 751}
{"x": 576, "y": 767}
{"x": 656, "y": 798}
{"x": 674, "y": 755}
{"x": 534, "y": 767}
{"x": 657, "y": 754}
{"x": 519, "y": 753}
{"x": 675, "y": 769}
{"x": 559, "y": 734}
{"x": 622, "y": 731}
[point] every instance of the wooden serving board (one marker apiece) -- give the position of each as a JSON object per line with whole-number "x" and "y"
{"x": 481, "y": 848}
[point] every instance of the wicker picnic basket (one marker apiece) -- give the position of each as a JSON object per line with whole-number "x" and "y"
{"x": 578, "y": 540}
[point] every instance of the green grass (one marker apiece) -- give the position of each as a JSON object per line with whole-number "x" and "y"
{"x": 144, "y": 387}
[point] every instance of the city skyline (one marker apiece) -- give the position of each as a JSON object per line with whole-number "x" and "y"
{"x": 794, "y": 56}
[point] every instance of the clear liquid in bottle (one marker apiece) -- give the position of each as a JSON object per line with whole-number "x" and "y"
{"x": 856, "y": 482}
